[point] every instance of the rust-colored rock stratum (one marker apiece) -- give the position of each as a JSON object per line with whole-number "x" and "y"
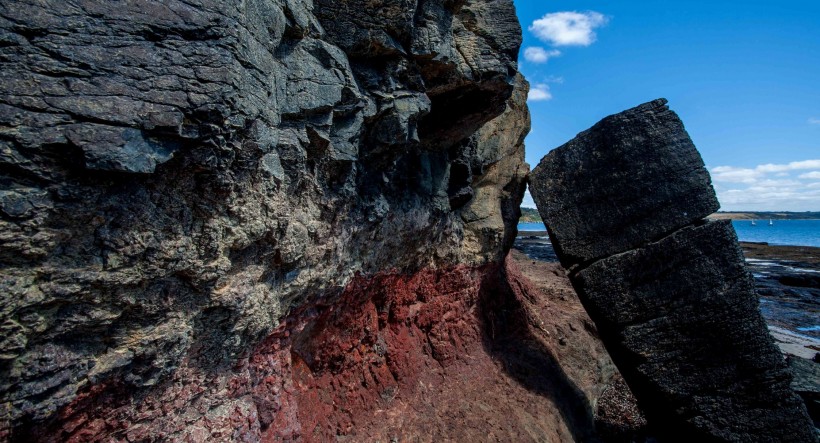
{"x": 264, "y": 220}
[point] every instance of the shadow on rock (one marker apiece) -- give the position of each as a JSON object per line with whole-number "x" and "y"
{"x": 511, "y": 338}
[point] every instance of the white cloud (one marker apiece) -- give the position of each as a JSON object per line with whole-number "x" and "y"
{"x": 813, "y": 175}
{"x": 731, "y": 174}
{"x": 568, "y": 28}
{"x": 768, "y": 187}
{"x": 539, "y": 93}
{"x": 814, "y": 121}
{"x": 769, "y": 183}
{"x": 793, "y": 166}
{"x": 537, "y": 54}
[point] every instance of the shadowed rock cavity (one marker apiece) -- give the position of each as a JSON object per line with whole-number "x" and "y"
{"x": 625, "y": 203}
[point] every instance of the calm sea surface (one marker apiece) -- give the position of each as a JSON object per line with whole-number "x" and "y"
{"x": 781, "y": 232}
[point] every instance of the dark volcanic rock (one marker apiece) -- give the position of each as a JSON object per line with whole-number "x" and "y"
{"x": 681, "y": 312}
{"x": 669, "y": 292}
{"x": 631, "y": 178}
{"x": 179, "y": 177}
{"x": 806, "y": 382}
{"x": 800, "y": 280}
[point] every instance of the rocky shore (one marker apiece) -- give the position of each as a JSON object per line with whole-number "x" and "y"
{"x": 787, "y": 279}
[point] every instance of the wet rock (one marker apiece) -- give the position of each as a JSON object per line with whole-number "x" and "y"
{"x": 806, "y": 376}
{"x": 624, "y": 203}
{"x": 800, "y": 280}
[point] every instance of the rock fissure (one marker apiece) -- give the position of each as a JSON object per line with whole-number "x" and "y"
{"x": 579, "y": 267}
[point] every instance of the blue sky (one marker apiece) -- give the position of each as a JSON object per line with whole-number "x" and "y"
{"x": 743, "y": 76}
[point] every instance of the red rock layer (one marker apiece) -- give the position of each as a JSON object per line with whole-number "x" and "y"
{"x": 458, "y": 353}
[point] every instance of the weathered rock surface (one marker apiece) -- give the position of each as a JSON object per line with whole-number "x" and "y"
{"x": 187, "y": 186}
{"x": 806, "y": 383}
{"x": 624, "y": 203}
{"x": 633, "y": 177}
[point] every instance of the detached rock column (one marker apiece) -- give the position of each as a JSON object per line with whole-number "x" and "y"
{"x": 625, "y": 203}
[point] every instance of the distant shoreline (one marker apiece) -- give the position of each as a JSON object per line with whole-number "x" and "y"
{"x": 783, "y": 215}
{"x": 754, "y": 249}
{"x": 529, "y": 215}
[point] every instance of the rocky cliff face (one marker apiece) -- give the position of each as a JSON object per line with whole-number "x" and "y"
{"x": 225, "y": 220}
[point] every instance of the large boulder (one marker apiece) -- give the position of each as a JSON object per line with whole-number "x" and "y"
{"x": 633, "y": 177}
{"x": 624, "y": 203}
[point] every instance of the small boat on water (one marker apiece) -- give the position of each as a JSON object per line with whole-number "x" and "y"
{"x": 771, "y": 223}
{"x": 754, "y": 223}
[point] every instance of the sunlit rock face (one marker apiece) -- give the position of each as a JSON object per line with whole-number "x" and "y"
{"x": 625, "y": 204}
{"x": 184, "y": 183}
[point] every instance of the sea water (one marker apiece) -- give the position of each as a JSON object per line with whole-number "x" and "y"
{"x": 781, "y": 232}
{"x": 531, "y": 227}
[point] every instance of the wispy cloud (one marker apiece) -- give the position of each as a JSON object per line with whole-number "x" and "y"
{"x": 813, "y": 175}
{"x": 568, "y": 28}
{"x": 793, "y": 166}
{"x": 537, "y": 54}
{"x": 814, "y": 121}
{"x": 769, "y": 187}
{"x": 732, "y": 174}
{"x": 539, "y": 93}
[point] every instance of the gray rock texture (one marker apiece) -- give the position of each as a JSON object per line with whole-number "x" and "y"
{"x": 624, "y": 203}
{"x": 806, "y": 382}
{"x": 177, "y": 176}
